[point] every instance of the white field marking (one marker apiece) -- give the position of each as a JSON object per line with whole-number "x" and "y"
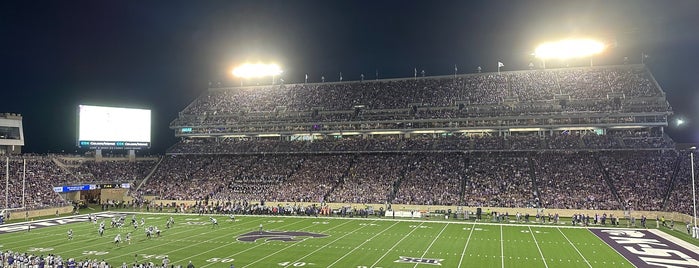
{"x": 91, "y": 231}
{"x": 467, "y": 240}
{"x": 386, "y": 219}
{"x": 576, "y": 249}
{"x": 674, "y": 239}
{"x": 395, "y": 245}
{"x": 326, "y": 244}
{"x": 174, "y": 241}
{"x": 433, "y": 240}
{"x": 502, "y": 248}
{"x": 224, "y": 244}
{"x": 91, "y": 245}
{"x": 292, "y": 245}
{"x": 360, "y": 245}
{"x": 539, "y": 248}
{"x": 250, "y": 248}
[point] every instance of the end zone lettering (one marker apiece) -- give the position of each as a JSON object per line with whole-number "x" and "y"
{"x": 644, "y": 248}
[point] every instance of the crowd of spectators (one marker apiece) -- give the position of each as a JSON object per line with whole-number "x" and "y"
{"x": 641, "y": 178}
{"x": 11, "y": 258}
{"x": 572, "y": 181}
{"x": 394, "y": 143}
{"x": 42, "y": 174}
{"x": 436, "y": 179}
{"x": 568, "y": 179}
{"x": 680, "y": 198}
{"x": 110, "y": 171}
{"x": 487, "y": 94}
{"x": 499, "y": 181}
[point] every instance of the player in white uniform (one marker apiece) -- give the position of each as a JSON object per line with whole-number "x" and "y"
{"x": 117, "y": 239}
{"x": 214, "y": 222}
{"x": 70, "y": 234}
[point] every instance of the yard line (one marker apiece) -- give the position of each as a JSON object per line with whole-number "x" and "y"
{"x": 576, "y": 248}
{"x": 433, "y": 240}
{"x": 467, "y": 240}
{"x": 537, "y": 246}
{"x": 191, "y": 245}
{"x": 250, "y": 248}
{"x": 502, "y": 248}
{"x": 360, "y": 245}
{"x": 309, "y": 254}
{"x": 273, "y": 254}
{"x": 394, "y": 246}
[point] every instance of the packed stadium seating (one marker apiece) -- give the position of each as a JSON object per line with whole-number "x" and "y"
{"x": 626, "y": 163}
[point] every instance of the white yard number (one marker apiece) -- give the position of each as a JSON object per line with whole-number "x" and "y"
{"x": 320, "y": 222}
{"x": 220, "y": 260}
{"x": 40, "y": 249}
{"x": 93, "y": 252}
{"x": 294, "y": 264}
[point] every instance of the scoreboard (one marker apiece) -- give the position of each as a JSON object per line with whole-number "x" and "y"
{"x": 102, "y": 127}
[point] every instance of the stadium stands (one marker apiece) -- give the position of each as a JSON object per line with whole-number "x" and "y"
{"x": 576, "y": 138}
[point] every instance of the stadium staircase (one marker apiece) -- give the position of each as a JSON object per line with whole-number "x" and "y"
{"x": 532, "y": 176}
{"x": 462, "y": 182}
{"x": 673, "y": 179}
{"x": 397, "y": 183}
{"x": 66, "y": 168}
{"x": 608, "y": 180}
{"x": 152, "y": 171}
{"x": 340, "y": 181}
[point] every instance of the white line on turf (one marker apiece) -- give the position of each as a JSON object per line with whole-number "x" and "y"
{"x": 502, "y": 248}
{"x": 537, "y": 246}
{"x": 191, "y": 245}
{"x": 250, "y": 248}
{"x": 325, "y": 245}
{"x": 396, "y": 244}
{"x": 467, "y": 240}
{"x": 360, "y": 245}
{"x": 576, "y": 248}
{"x": 292, "y": 245}
{"x": 433, "y": 240}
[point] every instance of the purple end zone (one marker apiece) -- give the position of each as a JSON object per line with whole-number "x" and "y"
{"x": 645, "y": 249}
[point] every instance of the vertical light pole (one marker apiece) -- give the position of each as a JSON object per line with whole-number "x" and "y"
{"x": 694, "y": 192}
{"x": 7, "y": 181}
{"x": 24, "y": 179}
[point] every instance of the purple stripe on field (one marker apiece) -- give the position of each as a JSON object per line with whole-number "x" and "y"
{"x": 645, "y": 249}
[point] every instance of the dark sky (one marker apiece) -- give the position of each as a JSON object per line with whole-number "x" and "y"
{"x": 160, "y": 55}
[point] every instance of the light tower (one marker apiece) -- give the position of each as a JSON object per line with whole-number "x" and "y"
{"x": 695, "y": 232}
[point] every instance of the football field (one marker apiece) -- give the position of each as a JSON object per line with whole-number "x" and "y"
{"x": 324, "y": 242}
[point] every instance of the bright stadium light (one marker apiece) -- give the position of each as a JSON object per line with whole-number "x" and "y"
{"x": 570, "y": 48}
{"x": 249, "y": 70}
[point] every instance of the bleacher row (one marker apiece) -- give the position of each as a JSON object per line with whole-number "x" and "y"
{"x": 640, "y": 180}
{"x": 425, "y": 143}
{"x": 488, "y": 94}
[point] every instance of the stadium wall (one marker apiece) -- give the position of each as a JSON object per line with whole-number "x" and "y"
{"x": 650, "y": 215}
{"x": 30, "y": 214}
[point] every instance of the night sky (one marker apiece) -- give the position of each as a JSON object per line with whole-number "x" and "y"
{"x": 161, "y": 55}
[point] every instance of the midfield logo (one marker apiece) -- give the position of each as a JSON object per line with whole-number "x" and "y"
{"x": 403, "y": 259}
{"x": 276, "y": 236}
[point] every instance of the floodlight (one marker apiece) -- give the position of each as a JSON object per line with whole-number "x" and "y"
{"x": 680, "y": 122}
{"x": 570, "y": 48}
{"x": 257, "y": 70}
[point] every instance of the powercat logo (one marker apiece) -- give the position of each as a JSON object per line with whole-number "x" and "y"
{"x": 23, "y": 226}
{"x": 277, "y": 236}
{"x": 646, "y": 249}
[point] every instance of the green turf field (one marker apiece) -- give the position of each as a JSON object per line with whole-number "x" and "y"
{"x": 348, "y": 243}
